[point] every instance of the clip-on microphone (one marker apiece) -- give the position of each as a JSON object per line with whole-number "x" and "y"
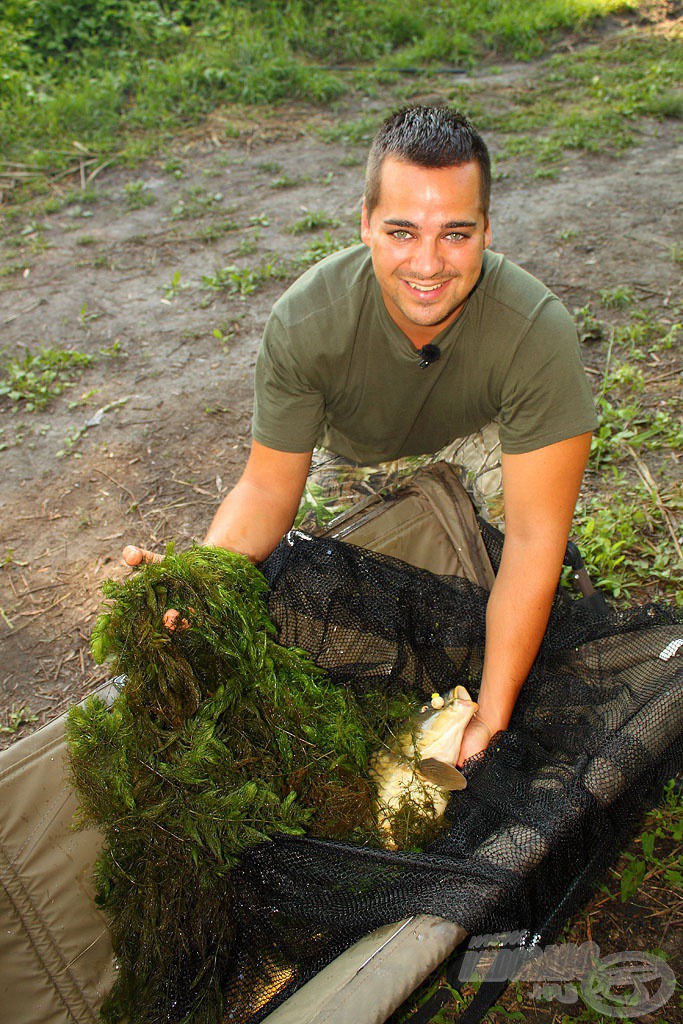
{"x": 429, "y": 354}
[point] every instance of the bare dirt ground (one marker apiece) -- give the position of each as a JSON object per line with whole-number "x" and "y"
{"x": 156, "y": 429}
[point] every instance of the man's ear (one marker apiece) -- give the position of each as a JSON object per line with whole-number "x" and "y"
{"x": 365, "y": 225}
{"x": 487, "y": 234}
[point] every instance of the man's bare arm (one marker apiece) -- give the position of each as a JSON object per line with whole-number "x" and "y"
{"x": 258, "y": 511}
{"x": 540, "y": 489}
{"x": 261, "y": 507}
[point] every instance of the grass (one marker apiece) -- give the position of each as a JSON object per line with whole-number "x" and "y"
{"x": 627, "y": 521}
{"x": 353, "y": 132}
{"x": 648, "y": 861}
{"x": 244, "y": 281}
{"x": 325, "y": 246}
{"x": 173, "y": 287}
{"x": 286, "y": 181}
{"x": 37, "y": 378}
{"x": 137, "y": 195}
{"x": 196, "y": 202}
{"x": 625, "y": 543}
{"x": 117, "y": 80}
{"x": 18, "y": 716}
{"x": 313, "y": 220}
{"x": 617, "y": 298}
{"x": 590, "y": 100}
{"x": 16, "y": 267}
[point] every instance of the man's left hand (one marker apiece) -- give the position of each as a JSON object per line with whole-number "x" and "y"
{"x": 476, "y": 738}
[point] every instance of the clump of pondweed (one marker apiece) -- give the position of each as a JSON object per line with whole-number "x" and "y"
{"x": 220, "y": 739}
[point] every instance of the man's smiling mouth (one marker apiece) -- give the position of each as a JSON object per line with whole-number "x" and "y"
{"x": 425, "y": 288}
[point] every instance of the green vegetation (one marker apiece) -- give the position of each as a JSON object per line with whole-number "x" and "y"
{"x": 243, "y": 281}
{"x": 624, "y": 539}
{"x": 248, "y": 243}
{"x": 15, "y": 267}
{"x": 588, "y": 100}
{"x": 17, "y": 716}
{"x": 137, "y": 195}
{"x": 616, "y": 298}
{"x": 325, "y": 246}
{"x": 626, "y": 522}
{"x": 286, "y": 181}
{"x": 313, "y": 220}
{"x": 663, "y": 824}
{"x": 110, "y": 77}
{"x": 216, "y": 229}
{"x": 173, "y": 288}
{"x": 37, "y": 378}
{"x": 196, "y": 202}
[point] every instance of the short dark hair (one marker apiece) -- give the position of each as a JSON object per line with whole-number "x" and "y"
{"x": 428, "y": 137}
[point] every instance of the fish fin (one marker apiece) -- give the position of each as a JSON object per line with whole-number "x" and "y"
{"x": 442, "y": 774}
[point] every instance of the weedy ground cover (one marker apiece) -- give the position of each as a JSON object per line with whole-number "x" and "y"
{"x": 313, "y": 220}
{"x": 627, "y": 522}
{"x": 590, "y": 100}
{"x": 38, "y": 377}
{"x": 113, "y": 80}
{"x": 17, "y": 716}
{"x": 243, "y": 281}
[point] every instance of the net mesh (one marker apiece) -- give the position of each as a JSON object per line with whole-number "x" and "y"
{"x": 596, "y": 731}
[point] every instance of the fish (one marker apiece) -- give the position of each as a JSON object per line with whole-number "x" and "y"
{"x": 420, "y": 767}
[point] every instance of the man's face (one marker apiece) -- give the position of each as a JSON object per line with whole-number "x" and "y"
{"x": 427, "y": 236}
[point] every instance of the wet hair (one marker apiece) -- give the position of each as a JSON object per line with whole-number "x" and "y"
{"x": 427, "y": 137}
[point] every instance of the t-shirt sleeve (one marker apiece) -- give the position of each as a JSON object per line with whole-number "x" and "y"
{"x": 289, "y": 411}
{"x": 546, "y": 394}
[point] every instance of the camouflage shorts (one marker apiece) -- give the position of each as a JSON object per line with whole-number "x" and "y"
{"x": 335, "y": 483}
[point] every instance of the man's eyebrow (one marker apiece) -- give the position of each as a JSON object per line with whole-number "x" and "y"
{"x": 400, "y": 223}
{"x": 448, "y": 226}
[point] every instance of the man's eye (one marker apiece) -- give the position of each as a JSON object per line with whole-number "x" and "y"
{"x": 456, "y": 236}
{"x": 400, "y": 235}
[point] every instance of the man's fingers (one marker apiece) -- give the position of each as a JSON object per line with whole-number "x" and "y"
{"x": 476, "y": 738}
{"x": 173, "y": 620}
{"x": 133, "y": 556}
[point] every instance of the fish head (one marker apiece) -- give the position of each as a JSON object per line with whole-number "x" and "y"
{"x": 439, "y": 736}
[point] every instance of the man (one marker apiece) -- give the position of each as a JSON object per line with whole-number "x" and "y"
{"x": 344, "y": 364}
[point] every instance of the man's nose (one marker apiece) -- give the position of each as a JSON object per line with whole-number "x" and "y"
{"x": 427, "y": 260}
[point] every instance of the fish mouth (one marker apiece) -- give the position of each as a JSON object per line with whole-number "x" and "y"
{"x": 442, "y": 774}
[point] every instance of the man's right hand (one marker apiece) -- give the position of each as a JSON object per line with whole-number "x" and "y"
{"x": 133, "y": 556}
{"x": 252, "y": 518}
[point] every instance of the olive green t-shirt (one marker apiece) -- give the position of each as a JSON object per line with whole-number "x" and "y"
{"x": 335, "y": 370}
